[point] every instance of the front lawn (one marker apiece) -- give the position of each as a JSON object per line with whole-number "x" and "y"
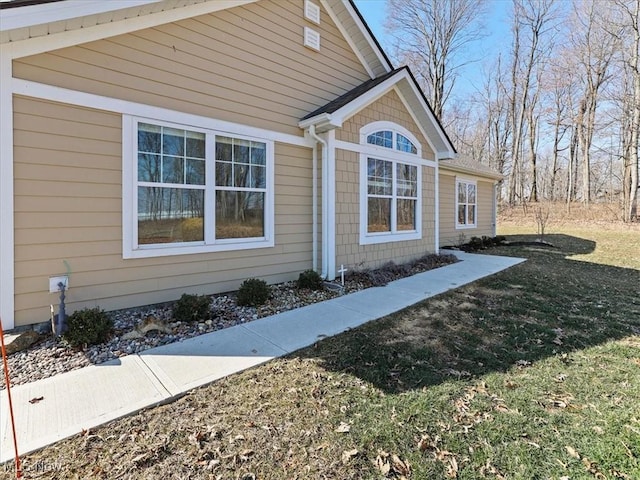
{"x": 533, "y": 373}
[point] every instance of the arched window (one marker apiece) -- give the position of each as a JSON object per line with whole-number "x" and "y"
{"x": 391, "y": 139}
{"x": 390, "y": 184}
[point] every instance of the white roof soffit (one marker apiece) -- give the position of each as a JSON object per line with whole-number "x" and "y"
{"x": 52, "y": 19}
{"x": 32, "y": 15}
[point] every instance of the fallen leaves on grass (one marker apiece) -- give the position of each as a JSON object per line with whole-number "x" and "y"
{"x": 347, "y": 455}
{"x": 556, "y": 401}
{"x": 391, "y": 466}
{"x": 343, "y": 428}
{"x": 429, "y": 444}
{"x": 572, "y": 451}
{"x": 488, "y": 468}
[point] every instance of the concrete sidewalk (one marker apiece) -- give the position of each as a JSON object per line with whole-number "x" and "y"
{"x": 85, "y": 398}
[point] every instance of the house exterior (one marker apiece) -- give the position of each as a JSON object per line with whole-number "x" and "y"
{"x": 150, "y": 148}
{"x": 468, "y": 201}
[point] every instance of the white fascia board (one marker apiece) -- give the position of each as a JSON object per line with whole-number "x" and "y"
{"x": 415, "y": 118}
{"x": 370, "y": 40}
{"x": 34, "y": 46}
{"x": 448, "y": 151}
{"x": 32, "y": 15}
{"x": 348, "y": 38}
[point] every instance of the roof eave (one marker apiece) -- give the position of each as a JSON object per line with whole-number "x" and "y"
{"x": 470, "y": 171}
{"x": 322, "y": 122}
{"x": 33, "y": 15}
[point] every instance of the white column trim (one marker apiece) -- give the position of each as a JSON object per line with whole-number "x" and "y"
{"x": 7, "y": 267}
{"x": 331, "y": 205}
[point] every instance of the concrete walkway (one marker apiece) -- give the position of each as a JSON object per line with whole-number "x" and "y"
{"x": 92, "y": 396}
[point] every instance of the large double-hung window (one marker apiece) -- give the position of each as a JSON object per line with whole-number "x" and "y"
{"x": 390, "y": 185}
{"x": 195, "y": 190}
{"x": 392, "y": 196}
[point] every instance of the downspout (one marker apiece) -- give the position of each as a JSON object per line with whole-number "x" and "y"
{"x": 314, "y": 208}
{"x": 495, "y": 208}
{"x": 437, "y": 205}
{"x": 331, "y": 205}
{"x": 314, "y": 135}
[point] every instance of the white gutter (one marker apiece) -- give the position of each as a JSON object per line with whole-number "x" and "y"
{"x": 312, "y": 134}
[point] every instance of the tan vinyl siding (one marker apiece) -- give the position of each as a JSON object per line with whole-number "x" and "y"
{"x": 246, "y": 65}
{"x": 348, "y": 249}
{"x": 449, "y": 234}
{"x": 68, "y": 207}
{"x": 390, "y": 108}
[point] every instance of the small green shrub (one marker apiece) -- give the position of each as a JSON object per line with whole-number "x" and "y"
{"x": 192, "y": 308}
{"x": 487, "y": 241}
{"x": 499, "y": 239}
{"x": 310, "y": 279}
{"x": 475, "y": 243}
{"x": 253, "y": 292}
{"x": 88, "y": 326}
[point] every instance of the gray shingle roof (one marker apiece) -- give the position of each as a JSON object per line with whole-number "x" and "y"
{"x": 351, "y": 95}
{"x": 23, "y": 3}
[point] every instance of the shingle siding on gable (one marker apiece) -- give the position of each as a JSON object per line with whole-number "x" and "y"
{"x": 246, "y": 65}
{"x": 348, "y": 250}
{"x": 390, "y": 108}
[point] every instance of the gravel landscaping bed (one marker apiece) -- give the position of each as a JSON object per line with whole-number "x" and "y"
{"x": 52, "y": 356}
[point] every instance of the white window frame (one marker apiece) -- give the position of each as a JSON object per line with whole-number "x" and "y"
{"x": 131, "y": 248}
{"x": 396, "y": 157}
{"x": 396, "y": 129}
{"x": 461, "y": 226}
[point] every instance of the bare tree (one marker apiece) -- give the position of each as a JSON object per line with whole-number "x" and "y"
{"x": 531, "y": 23}
{"x": 560, "y": 91}
{"x": 594, "y": 48}
{"x": 430, "y": 37}
{"x": 630, "y": 13}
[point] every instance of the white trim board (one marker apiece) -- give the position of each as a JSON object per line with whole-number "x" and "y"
{"x": 7, "y": 287}
{"x": 89, "y": 100}
{"x": 384, "y": 152}
{"x": 130, "y": 246}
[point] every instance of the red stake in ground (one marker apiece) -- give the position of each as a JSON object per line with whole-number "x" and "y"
{"x": 8, "y": 384}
